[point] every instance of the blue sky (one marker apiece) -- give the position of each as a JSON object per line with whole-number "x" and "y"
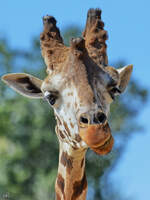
{"x": 128, "y": 26}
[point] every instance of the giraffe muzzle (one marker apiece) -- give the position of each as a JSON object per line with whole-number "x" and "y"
{"x": 98, "y": 138}
{"x": 96, "y": 118}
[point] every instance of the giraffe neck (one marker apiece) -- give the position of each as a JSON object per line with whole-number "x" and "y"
{"x": 71, "y": 183}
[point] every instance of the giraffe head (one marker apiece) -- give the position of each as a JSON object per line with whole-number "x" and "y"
{"x": 80, "y": 85}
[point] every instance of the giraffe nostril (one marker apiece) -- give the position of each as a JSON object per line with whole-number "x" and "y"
{"x": 101, "y": 117}
{"x": 84, "y": 120}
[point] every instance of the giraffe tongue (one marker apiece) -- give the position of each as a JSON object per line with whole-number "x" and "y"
{"x": 98, "y": 138}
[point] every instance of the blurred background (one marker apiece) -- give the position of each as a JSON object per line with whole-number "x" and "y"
{"x": 28, "y": 144}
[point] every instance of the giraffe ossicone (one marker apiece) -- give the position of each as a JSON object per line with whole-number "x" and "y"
{"x": 80, "y": 86}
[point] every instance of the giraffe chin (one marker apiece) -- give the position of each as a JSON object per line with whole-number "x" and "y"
{"x": 98, "y": 138}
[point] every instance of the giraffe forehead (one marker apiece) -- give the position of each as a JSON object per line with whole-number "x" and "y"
{"x": 74, "y": 87}
{"x": 52, "y": 82}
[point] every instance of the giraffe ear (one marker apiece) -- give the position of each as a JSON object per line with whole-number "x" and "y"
{"x": 124, "y": 76}
{"x": 24, "y": 84}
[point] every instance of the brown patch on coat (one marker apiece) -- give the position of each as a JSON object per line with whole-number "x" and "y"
{"x": 57, "y": 196}
{"x": 78, "y": 187}
{"x": 61, "y": 134}
{"x": 75, "y": 144}
{"x": 78, "y": 138}
{"x": 61, "y": 183}
{"x": 50, "y": 51}
{"x": 71, "y": 124}
{"x": 82, "y": 162}
{"x": 66, "y": 127}
{"x": 46, "y": 45}
{"x": 67, "y": 161}
{"x": 75, "y": 147}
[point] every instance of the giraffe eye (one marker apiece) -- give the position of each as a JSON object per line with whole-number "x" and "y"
{"x": 50, "y": 97}
{"x": 114, "y": 92}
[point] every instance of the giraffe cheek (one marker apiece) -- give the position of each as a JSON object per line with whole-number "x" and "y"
{"x": 98, "y": 138}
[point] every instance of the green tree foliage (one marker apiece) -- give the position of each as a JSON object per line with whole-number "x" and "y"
{"x": 28, "y": 144}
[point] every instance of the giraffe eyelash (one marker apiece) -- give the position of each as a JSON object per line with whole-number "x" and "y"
{"x": 50, "y": 97}
{"x": 114, "y": 92}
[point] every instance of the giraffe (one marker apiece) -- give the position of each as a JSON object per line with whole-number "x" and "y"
{"x": 80, "y": 86}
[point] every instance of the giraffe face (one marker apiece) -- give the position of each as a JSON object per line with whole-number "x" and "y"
{"x": 80, "y": 101}
{"x": 81, "y": 104}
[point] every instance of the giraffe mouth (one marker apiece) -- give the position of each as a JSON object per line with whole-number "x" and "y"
{"x": 105, "y": 148}
{"x": 98, "y": 138}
